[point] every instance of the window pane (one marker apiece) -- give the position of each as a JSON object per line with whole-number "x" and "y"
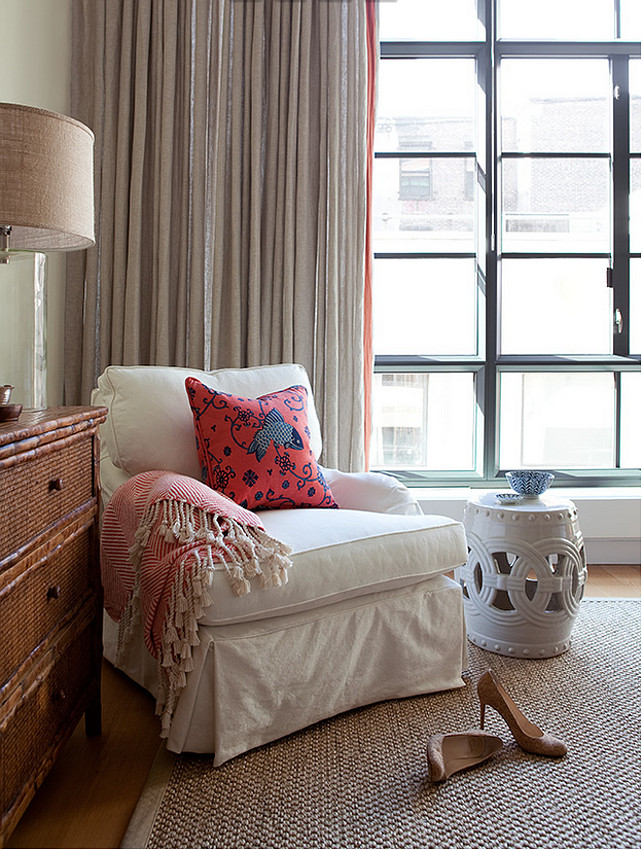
{"x": 571, "y": 20}
{"x": 423, "y": 421}
{"x": 635, "y": 87}
{"x": 555, "y": 105}
{"x": 424, "y": 307}
{"x": 556, "y": 205}
{"x": 555, "y": 307}
{"x": 423, "y": 204}
{"x": 557, "y": 419}
{"x": 630, "y": 447}
{"x": 635, "y": 307}
{"x": 634, "y": 208}
{"x": 403, "y": 20}
{"x": 631, "y": 20}
{"x": 417, "y": 112}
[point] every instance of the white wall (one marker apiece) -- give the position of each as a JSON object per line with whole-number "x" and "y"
{"x": 35, "y": 68}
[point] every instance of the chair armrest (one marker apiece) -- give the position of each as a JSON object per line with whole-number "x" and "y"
{"x": 371, "y": 491}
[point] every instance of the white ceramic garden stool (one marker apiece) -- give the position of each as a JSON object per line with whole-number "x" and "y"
{"x": 525, "y": 574}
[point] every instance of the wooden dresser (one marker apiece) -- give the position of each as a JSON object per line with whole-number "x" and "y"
{"x": 50, "y": 594}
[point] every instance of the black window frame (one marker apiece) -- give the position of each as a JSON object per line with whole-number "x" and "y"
{"x": 489, "y": 364}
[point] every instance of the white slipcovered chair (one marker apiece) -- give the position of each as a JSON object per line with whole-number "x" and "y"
{"x": 366, "y": 615}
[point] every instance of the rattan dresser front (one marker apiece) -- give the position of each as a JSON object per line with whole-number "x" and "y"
{"x": 50, "y": 594}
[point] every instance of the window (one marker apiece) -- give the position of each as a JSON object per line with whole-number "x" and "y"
{"x": 415, "y": 181}
{"x": 506, "y": 216}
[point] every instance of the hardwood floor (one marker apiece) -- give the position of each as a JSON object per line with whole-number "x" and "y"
{"x": 613, "y": 580}
{"x": 88, "y": 797}
{"x": 92, "y": 790}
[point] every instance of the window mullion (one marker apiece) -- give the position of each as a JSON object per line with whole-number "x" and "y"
{"x": 621, "y": 188}
{"x": 617, "y": 387}
{"x": 487, "y": 69}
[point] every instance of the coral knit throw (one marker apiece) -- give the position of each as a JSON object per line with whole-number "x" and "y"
{"x": 163, "y": 536}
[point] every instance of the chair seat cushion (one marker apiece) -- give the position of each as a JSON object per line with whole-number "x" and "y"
{"x": 342, "y": 554}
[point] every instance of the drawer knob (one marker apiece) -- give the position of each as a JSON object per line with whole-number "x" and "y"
{"x": 55, "y": 484}
{"x": 54, "y": 592}
{"x": 59, "y": 695}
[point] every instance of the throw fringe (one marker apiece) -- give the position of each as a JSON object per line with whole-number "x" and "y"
{"x": 243, "y": 551}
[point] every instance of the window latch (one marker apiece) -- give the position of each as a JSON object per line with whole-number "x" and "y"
{"x": 618, "y": 322}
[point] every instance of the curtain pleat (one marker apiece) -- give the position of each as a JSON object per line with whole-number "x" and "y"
{"x": 372, "y": 44}
{"x": 231, "y": 194}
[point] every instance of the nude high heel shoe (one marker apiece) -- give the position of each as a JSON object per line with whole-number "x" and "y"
{"x": 448, "y": 754}
{"x": 527, "y": 734}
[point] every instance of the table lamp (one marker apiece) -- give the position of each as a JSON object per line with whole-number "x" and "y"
{"x": 46, "y": 204}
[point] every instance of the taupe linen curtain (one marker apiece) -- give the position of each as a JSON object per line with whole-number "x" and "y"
{"x": 230, "y": 186}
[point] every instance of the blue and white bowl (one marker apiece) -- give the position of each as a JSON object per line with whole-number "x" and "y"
{"x": 529, "y": 482}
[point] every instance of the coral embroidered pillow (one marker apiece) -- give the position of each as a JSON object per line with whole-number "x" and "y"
{"x": 257, "y": 450}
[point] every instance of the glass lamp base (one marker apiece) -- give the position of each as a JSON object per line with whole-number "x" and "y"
{"x": 23, "y": 327}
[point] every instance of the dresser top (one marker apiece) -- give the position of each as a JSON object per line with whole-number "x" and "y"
{"x": 35, "y": 426}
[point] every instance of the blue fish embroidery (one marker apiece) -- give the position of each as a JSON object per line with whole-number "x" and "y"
{"x": 275, "y": 430}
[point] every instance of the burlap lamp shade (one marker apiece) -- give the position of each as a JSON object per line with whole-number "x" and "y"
{"x": 46, "y": 180}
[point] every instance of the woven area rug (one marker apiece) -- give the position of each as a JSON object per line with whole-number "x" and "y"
{"x": 361, "y": 779}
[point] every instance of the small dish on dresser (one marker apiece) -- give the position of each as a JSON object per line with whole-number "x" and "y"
{"x": 509, "y": 498}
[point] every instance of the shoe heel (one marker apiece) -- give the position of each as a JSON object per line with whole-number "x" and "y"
{"x": 529, "y": 736}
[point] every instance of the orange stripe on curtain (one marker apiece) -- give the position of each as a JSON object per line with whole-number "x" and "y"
{"x": 368, "y": 351}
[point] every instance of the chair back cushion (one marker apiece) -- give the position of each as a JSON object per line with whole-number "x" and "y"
{"x": 150, "y": 424}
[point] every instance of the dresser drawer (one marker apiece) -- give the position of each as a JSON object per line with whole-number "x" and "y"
{"x": 34, "y": 729}
{"x": 42, "y": 597}
{"x": 39, "y": 492}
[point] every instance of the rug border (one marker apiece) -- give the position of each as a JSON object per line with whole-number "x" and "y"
{"x": 148, "y": 804}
